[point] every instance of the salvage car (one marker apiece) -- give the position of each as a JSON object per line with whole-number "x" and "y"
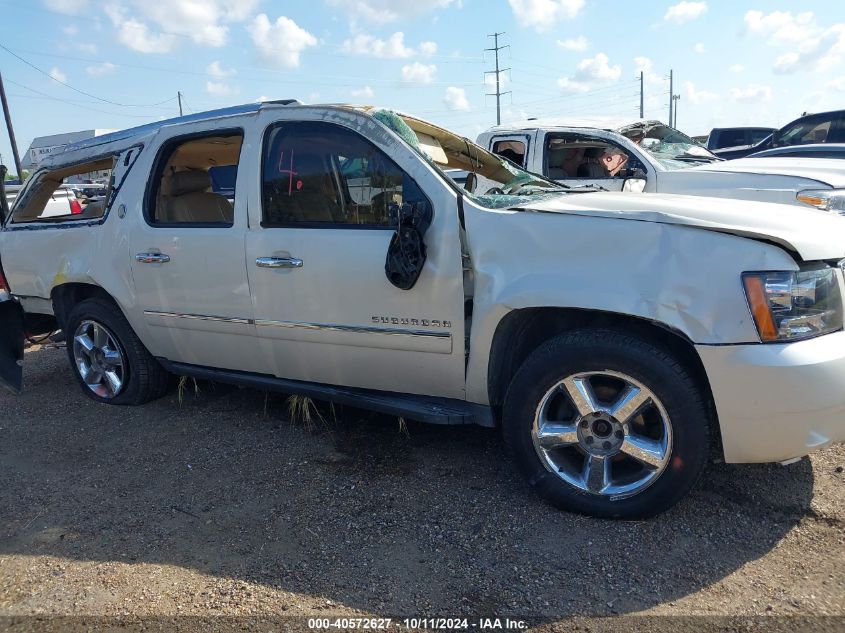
{"x": 615, "y": 155}
{"x": 616, "y": 338}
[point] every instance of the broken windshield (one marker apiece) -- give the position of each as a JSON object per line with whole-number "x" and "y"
{"x": 671, "y": 148}
{"x": 490, "y": 180}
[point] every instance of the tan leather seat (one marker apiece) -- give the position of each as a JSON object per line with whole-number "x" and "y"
{"x": 185, "y": 197}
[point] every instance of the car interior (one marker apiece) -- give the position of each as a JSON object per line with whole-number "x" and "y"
{"x": 572, "y": 156}
{"x": 328, "y": 176}
{"x": 184, "y": 189}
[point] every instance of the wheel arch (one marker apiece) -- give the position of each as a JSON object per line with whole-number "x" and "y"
{"x": 522, "y": 331}
{"x": 65, "y": 296}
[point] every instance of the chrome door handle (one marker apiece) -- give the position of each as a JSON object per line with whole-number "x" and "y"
{"x": 152, "y": 258}
{"x": 278, "y": 262}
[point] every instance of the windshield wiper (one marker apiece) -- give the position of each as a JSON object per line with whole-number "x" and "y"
{"x": 693, "y": 159}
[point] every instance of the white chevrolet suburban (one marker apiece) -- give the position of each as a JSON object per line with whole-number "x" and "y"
{"x": 619, "y": 155}
{"x": 617, "y": 338}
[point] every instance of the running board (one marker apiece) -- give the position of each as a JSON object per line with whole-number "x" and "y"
{"x": 412, "y": 406}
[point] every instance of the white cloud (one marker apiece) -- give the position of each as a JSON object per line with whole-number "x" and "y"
{"x": 818, "y": 53}
{"x": 391, "y": 48}
{"x": 697, "y": 97}
{"x": 575, "y": 44}
{"x": 836, "y": 84}
{"x": 68, "y": 7}
{"x": 427, "y": 49}
{"x": 752, "y": 93}
{"x": 543, "y": 15}
{"x": 70, "y": 29}
{"x": 490, "y": 79}
{"x": 685, "y": 11}
{"x": 736, "y": 68}
{"x": 419, "y": 73}
{"x": 645, "y": 66}
{"x": 590, "y": 73}
{"x": 218, "y": 72}
{"x": 700, "y": 48}
{"x": 280, "y": 43}
{"x": 383, "y": 11}
{"x": 58, "y": 75}
{"x": 204, "y": 22}
{"x": 812, "y": 46}
{"x": 456, "y": 99}
{"x": 363, "y": 93}
{"x": 99, "y": 70}
{"x": 136, "y": 35}
{"x": 218, "y": 88}
{"x": 781, "y": 27}
{"x": 84, "y": 47}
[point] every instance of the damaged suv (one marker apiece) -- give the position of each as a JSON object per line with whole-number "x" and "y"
{"x": 617, "y": 338}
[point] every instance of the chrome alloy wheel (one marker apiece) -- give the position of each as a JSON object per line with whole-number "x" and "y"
{"x": 99, "y": 359}
{"x": 603, "y": 432}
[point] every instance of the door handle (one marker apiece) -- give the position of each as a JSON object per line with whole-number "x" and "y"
{"x": 278, "y": 262}
{"x": 152, "y": 258}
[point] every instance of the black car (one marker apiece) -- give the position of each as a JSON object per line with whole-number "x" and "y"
{"x": 824, "y": 127}
{"x": 722, "y": 137}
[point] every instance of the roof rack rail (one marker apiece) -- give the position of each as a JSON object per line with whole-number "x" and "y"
{"x": 196, "y": 116}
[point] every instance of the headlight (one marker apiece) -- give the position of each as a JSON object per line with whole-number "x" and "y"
{"x": 788, "y": 306}
{"x": 824, "y": 199}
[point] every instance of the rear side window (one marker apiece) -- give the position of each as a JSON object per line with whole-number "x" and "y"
{"x": 324, "y": 175}
{"x": 194, "y": 181}
{"x": 69, "y": 194}
{"x": 513, "y": 150}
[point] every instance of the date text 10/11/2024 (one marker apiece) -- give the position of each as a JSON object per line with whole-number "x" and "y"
{"x": 437, "y": 624}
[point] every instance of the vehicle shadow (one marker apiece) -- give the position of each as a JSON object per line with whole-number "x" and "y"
{"x": 370, "y": 513}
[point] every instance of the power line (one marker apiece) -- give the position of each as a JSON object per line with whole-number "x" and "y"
{"x": 75, "y": 104}
{"x": 82, "y": 92}
{"x": 320, "y": 80}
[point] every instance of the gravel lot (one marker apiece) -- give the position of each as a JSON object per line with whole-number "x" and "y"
{"x": 221, "y": 506}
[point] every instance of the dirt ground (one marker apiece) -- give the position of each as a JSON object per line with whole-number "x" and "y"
{"x": 220, "y": 506}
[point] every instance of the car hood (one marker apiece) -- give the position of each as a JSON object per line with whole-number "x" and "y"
{"x": 826, "y": 170}
{"x": 812, "y": 234}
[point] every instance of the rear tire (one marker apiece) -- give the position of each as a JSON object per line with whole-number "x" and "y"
{"x": 630, "y": 442}
{"x": 107, "y": 357}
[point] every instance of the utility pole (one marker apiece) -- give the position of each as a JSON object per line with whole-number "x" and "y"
{"x": 642, "y": 110}
{"x": 496, "y": 48}
{"x": 671, "y": 97}
{"x": 675, "y": 98}
{"x": 179, "y": 96}
{"x": 12, "y": 141}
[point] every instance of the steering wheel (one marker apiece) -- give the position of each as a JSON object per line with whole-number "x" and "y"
{"x": 495, "y": 191}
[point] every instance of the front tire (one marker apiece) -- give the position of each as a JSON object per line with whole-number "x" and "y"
{"x": 606, "y": 424}
{"x": 107, "y": 357}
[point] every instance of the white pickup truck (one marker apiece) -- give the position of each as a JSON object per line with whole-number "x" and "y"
{"x": 616, "y": 338}
{"x": 625, "y": 155}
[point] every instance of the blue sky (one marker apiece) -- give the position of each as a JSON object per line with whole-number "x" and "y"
{"x": 742, "y": 62}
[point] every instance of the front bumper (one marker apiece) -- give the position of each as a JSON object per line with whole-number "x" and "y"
{"x": 778, "y": 401}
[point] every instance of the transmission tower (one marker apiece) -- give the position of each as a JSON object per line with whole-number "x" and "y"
{"x": 498, "y": 94}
